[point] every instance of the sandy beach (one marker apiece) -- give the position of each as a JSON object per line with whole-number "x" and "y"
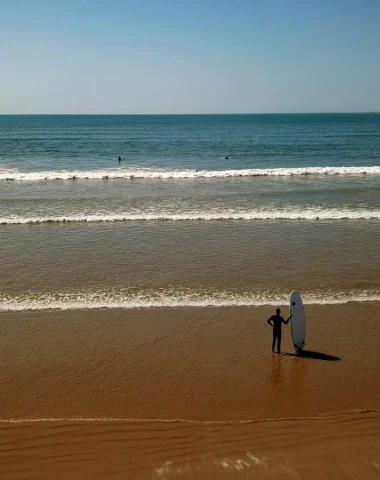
{"x": 188, "y": 393}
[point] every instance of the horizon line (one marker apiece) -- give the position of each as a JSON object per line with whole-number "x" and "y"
{"x": 197, "y": 114}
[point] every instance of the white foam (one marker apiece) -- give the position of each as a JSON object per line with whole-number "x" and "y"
{"x": 226, "y": 422}
{"x": 203, "y": 215}
{"x": 166, "y": 174}
{"x": 172, "y": 299}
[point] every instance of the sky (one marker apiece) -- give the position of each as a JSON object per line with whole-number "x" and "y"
{"x": 175, "y": 56}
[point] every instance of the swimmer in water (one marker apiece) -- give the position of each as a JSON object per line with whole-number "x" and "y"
{"x": 119, "y": 159}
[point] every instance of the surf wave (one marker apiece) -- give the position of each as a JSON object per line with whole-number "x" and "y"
{"x": 202, "y": 216}
{"x": 173, "y": 299}
{"x": 139, "y": 173}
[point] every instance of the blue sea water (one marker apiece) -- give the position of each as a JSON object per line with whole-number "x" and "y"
{"x": 232, "y": 195}
{"x": 87, "y": 142}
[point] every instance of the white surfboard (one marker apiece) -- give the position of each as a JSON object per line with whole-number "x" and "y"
{"x": 297, "y": 321}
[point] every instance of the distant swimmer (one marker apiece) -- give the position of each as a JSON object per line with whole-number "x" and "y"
{"x": 119, "y": 159}
{"x": 276, "y": 321}
{"x": 226, "y": 158}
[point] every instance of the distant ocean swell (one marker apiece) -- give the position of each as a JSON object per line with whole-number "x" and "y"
{"x": 173, "y": 299}
{"x": 201, "y": 216}
{"x": 139, "y": 173}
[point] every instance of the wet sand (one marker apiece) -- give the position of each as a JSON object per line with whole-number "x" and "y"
{"x": 188, "y": 393}
{"x": 341, "y": 447}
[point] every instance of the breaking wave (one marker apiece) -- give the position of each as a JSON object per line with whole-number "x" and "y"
{"x": 163, "y": 174}
{"x": 202, "y": 216}
{"x": 173, "y": 299}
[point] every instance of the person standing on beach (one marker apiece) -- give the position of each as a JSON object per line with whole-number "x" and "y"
{"x": 276, "y": 321}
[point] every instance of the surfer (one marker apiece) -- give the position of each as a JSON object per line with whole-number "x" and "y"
{"x": 276, "y": 321}
{"x": 119, "y": 159}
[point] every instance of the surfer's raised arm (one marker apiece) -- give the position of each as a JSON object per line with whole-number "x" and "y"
{"x": 287, "y": 321}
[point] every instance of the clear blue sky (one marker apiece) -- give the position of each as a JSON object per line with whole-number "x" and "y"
{"x": 174, "y": 56}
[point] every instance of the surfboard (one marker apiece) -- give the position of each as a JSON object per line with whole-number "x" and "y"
{"x": 297, "y": 321}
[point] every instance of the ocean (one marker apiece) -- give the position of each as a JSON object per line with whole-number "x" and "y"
{"x": 203, "y": 210}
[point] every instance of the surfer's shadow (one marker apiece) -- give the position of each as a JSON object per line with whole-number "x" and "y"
{"x": 313, "y": 355}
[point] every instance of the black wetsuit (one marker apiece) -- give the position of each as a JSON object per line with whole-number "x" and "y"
{"x": 277, "y": 334}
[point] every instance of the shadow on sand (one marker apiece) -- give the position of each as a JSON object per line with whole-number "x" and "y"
{"x": 313, "y": 355}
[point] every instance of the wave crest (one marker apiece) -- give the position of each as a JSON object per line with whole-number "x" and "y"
{"x": 162, "y": 174}
{"x": 173, "y": 299}
{"x": 202, "y": 216}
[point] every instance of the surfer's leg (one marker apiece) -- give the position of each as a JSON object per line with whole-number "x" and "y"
{"x": 274, "y": 340}
{"x": 279, "y": 342}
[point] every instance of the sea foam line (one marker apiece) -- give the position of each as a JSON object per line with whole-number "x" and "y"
{"x": 204, "y": 215}
{"x": 227, "y": 422}
{"x": 103, "y": 300}
{"x": 162, "y": 174}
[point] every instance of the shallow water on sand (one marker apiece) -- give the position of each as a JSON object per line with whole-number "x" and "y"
{"x": 295, "y": 205}
{"x": 213, "y": 263}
